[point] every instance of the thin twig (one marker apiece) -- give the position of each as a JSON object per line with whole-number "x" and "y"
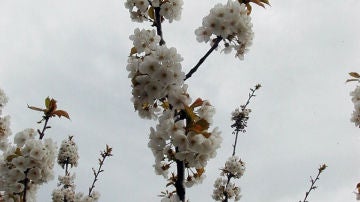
{"x": 42, "y": 133}
{"x": 213, "y": 47}
{"x": 104, "y": 154}
{"x": 313, "y": 187}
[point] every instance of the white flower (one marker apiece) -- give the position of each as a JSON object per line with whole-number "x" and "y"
{"x": 203, "y": 34}
{"x": 356, "y": 114}
{"x": 21, "y": 137}
{"x": 171, "y": 9}
{"x": 20, "y": 163}
{"x": 5, "y": 130}
{"x": 68, "y": 153}
{"x": 34, "y": 174}
{"x": 37, "y": 153}
{"x": 3, "y": 99}
{"x": 145, "y": 40}
{"x": 231, "y": 23}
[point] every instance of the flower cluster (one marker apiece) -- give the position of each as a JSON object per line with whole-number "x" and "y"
{"x": 68, "y": 153}
{"x": 26, "y": 165}
{"x": 232, "y": 23}
{"x": 356, "y": 100}
{"x": 224, "y": 190}
{"x": 5, "y": 131}
{"x": 240, "y": 118}
{"x": 157, "y": 79}
{"x": 141, "y": 10}
{"x": 188, "y": 141}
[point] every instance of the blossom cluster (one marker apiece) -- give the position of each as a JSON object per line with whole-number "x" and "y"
{"x": 356, "y": 100}
{"x": 26, "y": 165}
{"x": 141, "y": 10}
{"x": 188, "y": 141}
{"x": 5, "y": 131}
{"x": 223, "y": 188}
{"x": 232, "y": 23}
{"x": 68, "y": 155}
{"x": 240, "y": 119}
{"x": 157, "y": 78}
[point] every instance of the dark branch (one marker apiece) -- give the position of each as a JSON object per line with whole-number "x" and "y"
{"x": 213, "y": 47}
{"x": 158, "y": 25}
{"x": 179, "y": 184}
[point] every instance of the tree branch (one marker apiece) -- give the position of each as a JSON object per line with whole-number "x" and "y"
{"x": 213, "y": 47}
{"x": 158, "y": 25}
{"x": 179, "y": 184}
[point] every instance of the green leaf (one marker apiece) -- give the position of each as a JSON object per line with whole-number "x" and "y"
{"x": 47, "y": 102}
{"x": 151, "y": 13}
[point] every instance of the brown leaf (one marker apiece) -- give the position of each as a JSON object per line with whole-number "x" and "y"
{"x": 36, "y": 108}
{"x": 133, "y": 51}
{"x": 266, "y": 1}
{"x": 200, "y": 171}
{"x": 354, "y": 74}
{"x": 61, "y": 113}
{"x": 52, "y": 106}
{"x": 258, "y": 2}
{"x": 200, "y": 126}
{"x": 190, "y": 115}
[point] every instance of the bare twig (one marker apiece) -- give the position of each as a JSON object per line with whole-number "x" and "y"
{"x": 104, "y": 154}
{"x": 313, "y": 181}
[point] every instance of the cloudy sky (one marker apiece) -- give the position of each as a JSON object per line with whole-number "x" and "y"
{"x": 76, "y": 52}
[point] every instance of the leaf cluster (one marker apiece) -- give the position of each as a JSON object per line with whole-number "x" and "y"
{"x": 50, "y": 110}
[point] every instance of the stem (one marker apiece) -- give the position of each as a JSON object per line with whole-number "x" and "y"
{"x": 179, "y": 184}
{"x": 158, "y": 25}
{"x": 104, "y": 154}
{"x": 42, "y": 133}
{"x": 26, "y": 181}
{"x": 235, "y": 143}
{"x": 312, "y": 187}
{"x": 213, "y": 47}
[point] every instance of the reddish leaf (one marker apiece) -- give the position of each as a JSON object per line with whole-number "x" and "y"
{"x": 61, "y": 113}
{"x": 200, "y": 126}
{"x": 198, "y": 102}
{"x": 205, "y": 134}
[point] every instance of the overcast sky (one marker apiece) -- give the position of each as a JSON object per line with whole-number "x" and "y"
{"x": 76, "y": 52}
